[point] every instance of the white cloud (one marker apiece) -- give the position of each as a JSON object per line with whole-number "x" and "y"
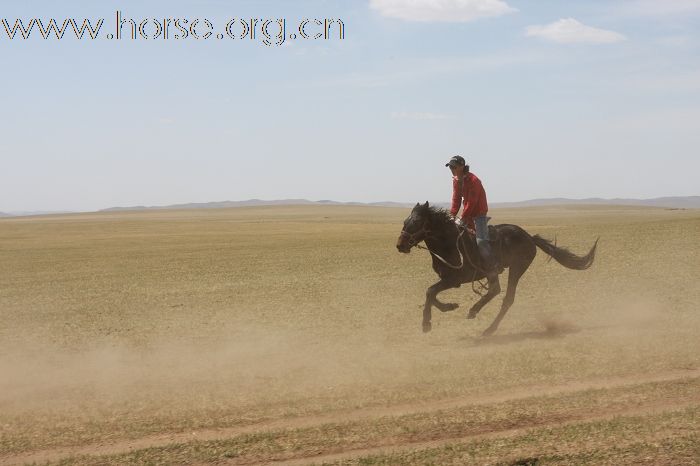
{"x": 569, "y": 31}
{"x": 418, "y": 116}
{"x": 441, "y": 10}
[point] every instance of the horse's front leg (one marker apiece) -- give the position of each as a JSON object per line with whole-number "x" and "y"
{"x": 431, "y": 300}
{"x": 483, "y": 301}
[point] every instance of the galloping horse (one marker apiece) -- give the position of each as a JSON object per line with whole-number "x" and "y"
{"x": 514, "y": 248}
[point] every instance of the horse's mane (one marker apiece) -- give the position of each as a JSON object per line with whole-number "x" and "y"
{"x": 441, "y": 217}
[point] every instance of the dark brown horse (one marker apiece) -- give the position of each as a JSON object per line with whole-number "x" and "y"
{"x": 456, "y": 258}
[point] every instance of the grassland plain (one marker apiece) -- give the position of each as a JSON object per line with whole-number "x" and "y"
{"x": 292, "y": 333}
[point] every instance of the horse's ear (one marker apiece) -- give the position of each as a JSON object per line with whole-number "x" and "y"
{"x": 426, "y": 204}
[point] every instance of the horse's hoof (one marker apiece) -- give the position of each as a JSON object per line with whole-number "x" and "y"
{"x": 471, "y": 315}
{"x": 488, "y": 332}
{"x": 427, "y": 326}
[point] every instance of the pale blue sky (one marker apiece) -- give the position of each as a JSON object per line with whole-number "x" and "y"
{"x": 595, "y": 98}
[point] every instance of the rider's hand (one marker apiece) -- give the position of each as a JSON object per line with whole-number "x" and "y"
{"x": 458, "y": 221}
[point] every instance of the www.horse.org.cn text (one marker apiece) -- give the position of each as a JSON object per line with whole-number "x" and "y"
{"x": 270, "y": 31}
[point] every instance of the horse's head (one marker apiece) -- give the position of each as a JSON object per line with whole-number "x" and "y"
{"x": 415, "y": 228}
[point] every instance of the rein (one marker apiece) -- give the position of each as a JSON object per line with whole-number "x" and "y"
{"x": 483, "y": 289}
{"x": 441, "y": 259}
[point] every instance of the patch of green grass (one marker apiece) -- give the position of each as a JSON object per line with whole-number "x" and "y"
{"x": 660, "y": 439}
{"x": 535, "y": 413}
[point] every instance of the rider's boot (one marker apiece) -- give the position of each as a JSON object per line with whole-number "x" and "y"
{"x": 490, "y": 266}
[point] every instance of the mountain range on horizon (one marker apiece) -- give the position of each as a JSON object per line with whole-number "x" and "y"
{"x": 677, "y": 202}
{"x": 34, "y": 212}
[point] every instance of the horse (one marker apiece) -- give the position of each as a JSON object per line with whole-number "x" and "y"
{"x": 449, "y": 245}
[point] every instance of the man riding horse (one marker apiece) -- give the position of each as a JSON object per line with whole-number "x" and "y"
{"x": 456, "y": 260}
{"x": 468, "y": 190}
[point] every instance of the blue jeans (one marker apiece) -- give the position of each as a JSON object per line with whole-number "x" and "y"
{"x": 482, "y": 229}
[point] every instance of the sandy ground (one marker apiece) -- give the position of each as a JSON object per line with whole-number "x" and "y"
{"x": 150, "y": 333}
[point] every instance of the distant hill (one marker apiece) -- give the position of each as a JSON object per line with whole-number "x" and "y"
{"x": 34, "y": 212}
{"x": 256, "y": 202}
{"x": 688, "y": 202}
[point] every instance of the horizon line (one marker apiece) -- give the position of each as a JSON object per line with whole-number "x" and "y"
{"x": 299, "y": 201}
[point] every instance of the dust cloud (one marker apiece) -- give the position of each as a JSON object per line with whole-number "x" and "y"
{"x": 248, "y": 366}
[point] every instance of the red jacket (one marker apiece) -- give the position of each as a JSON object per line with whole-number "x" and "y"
{"x": 474, "y": 197}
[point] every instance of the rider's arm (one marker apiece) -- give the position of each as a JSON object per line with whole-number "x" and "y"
{"x": 471, "y": 201}
{"x": 456, "y": 196}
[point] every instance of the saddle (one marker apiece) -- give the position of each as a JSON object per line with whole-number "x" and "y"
{"x": 494, "y": 241}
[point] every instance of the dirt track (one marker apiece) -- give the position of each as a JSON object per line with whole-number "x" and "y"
{"x": 507, "y": 432}
{"x": 395, "y": 411}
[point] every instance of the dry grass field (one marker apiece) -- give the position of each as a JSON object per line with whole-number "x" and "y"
{"x": 293, "y": 335}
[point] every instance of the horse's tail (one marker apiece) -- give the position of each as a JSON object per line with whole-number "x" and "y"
{"x": 565, "y": 257}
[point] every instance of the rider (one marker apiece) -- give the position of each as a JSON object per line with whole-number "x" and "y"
{"x": 468, "y": 188}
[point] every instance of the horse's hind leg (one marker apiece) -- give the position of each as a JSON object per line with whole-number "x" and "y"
{"x": 431, "y": 300}
{"x": 513, "y": 279}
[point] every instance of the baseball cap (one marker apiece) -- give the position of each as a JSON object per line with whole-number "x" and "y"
{"x": 455, "y": 161}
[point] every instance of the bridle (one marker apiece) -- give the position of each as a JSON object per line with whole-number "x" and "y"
{"x": 412, "y": 237}
{"x": 413, "y": 242}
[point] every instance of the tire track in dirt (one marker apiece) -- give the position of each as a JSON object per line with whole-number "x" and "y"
{"x": 505, "y": 433}
{"x": 159, "y": 440}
